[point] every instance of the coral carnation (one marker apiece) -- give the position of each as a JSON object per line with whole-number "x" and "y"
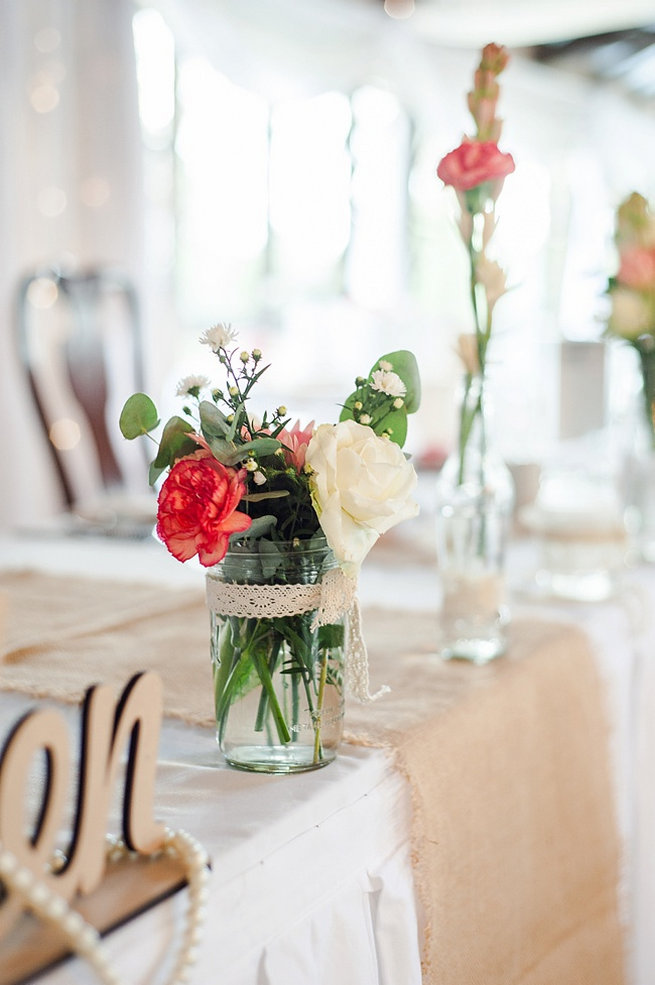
{"x": 473, "y": 163}
{"x": 197, "y": 508}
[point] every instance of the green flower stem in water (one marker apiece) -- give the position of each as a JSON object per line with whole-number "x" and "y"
{"x": 469, "y": 412}
{"x": 263, "y": 698}
{"x": 319, "y": 706}
{"x": 647, "y": 360}
{"x": 261, "y": 666}
{"x": 277, "y": 677}
{"x": 254, "y": 646}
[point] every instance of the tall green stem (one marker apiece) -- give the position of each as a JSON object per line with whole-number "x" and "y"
{"x": 319, "y": 706}
{"x": 647, "y": 359}
{"x": 264, "y": 675}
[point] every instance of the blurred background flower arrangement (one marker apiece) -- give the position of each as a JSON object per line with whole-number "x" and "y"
{"x": 475, "y": 493}
{"x": 477, "y": 170}
{"x": 632, "y": 294}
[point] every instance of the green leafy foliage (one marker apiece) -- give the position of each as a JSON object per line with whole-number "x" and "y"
{"x": 278, "y": 497}
{"x": 377, "y": 409}
{"x": 175, "y": 443}
{"x": 139, "y": 416}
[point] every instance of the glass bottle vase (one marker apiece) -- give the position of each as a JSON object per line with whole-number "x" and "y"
{"x": 278, "y": 676}
{"x": 475, "y": 499}
{"x": 640, "y": 465}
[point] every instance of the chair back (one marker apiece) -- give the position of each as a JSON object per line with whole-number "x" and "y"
{"x": 79, "y": 341}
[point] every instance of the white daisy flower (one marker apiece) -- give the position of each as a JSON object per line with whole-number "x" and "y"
{"x": 389, "y": 383}
{"x": 218, "y": 336}
{"x": 189, "y": 383}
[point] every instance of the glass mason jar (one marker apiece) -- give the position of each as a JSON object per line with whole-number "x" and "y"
{"x": 475, "y": 499}
{"x": 278, "y": 676}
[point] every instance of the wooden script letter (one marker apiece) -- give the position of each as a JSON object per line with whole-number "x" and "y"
{"x": 107, "y": 726}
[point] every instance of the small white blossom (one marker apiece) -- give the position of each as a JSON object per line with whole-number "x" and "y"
{"x": 218, "y": 336}
{"x": 389, "y": 383}
{"x": 189, "y": 383}
{"x": 398, "y": 403}
{"x": 251, "y": 465}
{"x": 386, "y": 366}
{"x": 364, "y": 418}
{"x": 259, "y": 478}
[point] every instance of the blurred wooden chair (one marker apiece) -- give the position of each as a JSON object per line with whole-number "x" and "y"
{"x": 79, "y": 341}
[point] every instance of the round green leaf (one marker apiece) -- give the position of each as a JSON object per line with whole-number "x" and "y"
{"x": 139, "y": 416}
{"x": 405, "y": 366}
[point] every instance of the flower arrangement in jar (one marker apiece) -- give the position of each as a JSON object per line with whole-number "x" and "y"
{"x": 282, "y": 516}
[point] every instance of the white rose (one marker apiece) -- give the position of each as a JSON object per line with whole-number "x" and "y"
{"x": 361, "y": 487}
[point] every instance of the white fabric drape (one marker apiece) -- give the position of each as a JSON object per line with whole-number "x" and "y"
{"x": 70, "y": 186}
{"x": 71, "y": 178}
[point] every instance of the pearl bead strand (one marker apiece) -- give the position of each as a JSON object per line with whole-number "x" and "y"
{"x": 84, "y": 939}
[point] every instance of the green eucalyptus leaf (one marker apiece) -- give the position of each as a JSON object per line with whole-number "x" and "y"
{"x": 223, "y": 451}
{"x": 396, "y": 421}
{"x": 405, "y": 366}
{"x": 238, "y": 422}
{"x": 270, "y": 557}
{"x": 258, "y": 497}
{"x": 347, "y": 409}
{"x": 138, "y": 416}
{"x": 213, "y": 422}
{"x": 263, "y": 447}
{"x": 260, "y": 526}
{"x": 175, "y": 443}
{"x": 154, "y": 471}
{"x": 260, "y": 446}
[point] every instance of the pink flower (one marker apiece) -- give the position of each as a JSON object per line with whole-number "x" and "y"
{"x": 197, "y": 508}
{"x": 637, "y": 268}
{"x": 473, "y": 163}
{"x": 294, "y": 442}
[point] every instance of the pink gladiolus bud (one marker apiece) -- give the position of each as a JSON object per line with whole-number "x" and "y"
{"x": 495, "y": 58}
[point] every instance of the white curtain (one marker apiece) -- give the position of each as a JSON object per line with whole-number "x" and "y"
{"x": 70, "y": 187}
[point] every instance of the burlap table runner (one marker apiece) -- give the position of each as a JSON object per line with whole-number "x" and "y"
{"x": 515, "y": 844}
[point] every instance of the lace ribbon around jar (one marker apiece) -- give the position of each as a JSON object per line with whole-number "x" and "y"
{"x": 333, "y": 597}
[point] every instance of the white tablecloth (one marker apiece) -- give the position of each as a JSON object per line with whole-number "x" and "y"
{"x": 311, "y": 875}
{"x": 311, "y": 879}
{"x": 323, "y": 864}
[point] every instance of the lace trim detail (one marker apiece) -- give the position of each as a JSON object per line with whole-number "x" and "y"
{"x": 333, "y": 598}
{"x": 357, "y": 679}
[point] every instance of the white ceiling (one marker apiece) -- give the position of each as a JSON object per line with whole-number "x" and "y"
{"x": 523, "y": 23}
